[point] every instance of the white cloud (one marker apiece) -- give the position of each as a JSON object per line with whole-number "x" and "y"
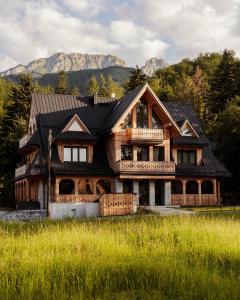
{"x": 134, "y": 30}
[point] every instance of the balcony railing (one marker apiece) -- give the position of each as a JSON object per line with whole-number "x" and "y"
{"x": 21, "y": 171}
{"x": 24, "y": 140}
{"x": 145, "y": 134}
{"x": 75, "y": 198}
{"x": 194, "y": 199}
{"x": 158, "y": 167}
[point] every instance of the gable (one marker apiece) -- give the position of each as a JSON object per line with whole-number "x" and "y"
{"x": 188, "y": 130}
{"x": 76, "y": 125}
{"x": 147, "y": 93}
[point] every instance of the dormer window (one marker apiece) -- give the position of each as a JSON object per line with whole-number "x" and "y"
{"x": 186, "y": 157}
{"x": 75, "y": 154}
{"x": 186, "y": 131}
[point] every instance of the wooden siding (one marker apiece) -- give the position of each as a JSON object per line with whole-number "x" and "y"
{"x": 193, "y": 200}
{"x": 117, "y": 204}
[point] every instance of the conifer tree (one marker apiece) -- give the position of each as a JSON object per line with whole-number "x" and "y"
{"x": 136, "y": 78}
{"x": 13, "y": 126}
{"x": 223, "y": 84}
{"x": 62, "y": 83}
{"x": 93, "y": 87}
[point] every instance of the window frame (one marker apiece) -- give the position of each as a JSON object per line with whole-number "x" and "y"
{"x": 184, "y": 157}
{"x": 72, "y": 160}
{"x": 131, "y": 151}
{"x": 142, "y": 147}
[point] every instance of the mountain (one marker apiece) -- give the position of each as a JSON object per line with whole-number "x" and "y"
{"x": 67, "y": 62}
{"x": 81, "y": 78}
{"x": 153, "y": 64}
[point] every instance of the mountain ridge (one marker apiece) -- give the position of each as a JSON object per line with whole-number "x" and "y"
{"x": 76, "y": 62}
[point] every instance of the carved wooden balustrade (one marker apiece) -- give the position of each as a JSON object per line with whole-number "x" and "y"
{"x": 145, "y": 134}
{"x": 158, "y": 167}
{"x": 191, "y": 200}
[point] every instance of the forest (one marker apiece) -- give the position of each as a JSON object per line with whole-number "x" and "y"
{"x": 211, "y": 82}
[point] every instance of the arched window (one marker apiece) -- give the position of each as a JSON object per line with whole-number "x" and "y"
{"x": 85, "y": 186}
{"x": 207, "y": 187}
{"x": 142, "y": 114}
{"x": 192, "y": 187}
{"x": 177, "y": 187}
{"x": 66, "y": 187}
{"x": 103, "y": 186}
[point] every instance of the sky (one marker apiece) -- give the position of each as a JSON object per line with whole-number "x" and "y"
{"x": 134, "y": 30}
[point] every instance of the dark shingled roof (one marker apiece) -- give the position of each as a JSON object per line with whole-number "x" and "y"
{"x": 55, "y": 111}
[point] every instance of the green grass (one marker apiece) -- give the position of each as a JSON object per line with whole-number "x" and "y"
{"x": 144, "y": 257}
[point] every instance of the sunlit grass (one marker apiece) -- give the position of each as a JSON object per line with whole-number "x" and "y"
{"x": 147, "y": 257}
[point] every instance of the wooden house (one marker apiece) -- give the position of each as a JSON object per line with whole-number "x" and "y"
{"x": 137, "y": 145}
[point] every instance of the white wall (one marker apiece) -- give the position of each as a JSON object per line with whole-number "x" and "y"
{"x": 77, "y": 210}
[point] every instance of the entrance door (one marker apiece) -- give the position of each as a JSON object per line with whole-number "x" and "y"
{"x": 143, "y": 192}
{"x": 159, "y": 192}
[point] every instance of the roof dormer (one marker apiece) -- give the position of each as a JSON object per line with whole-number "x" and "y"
{"x": 187, "y": 129}
{"x": 76, "y": 125}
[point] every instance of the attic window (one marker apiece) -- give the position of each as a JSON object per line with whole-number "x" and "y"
{"x": 186, "y": 131}
{"x": 75, "y": 127}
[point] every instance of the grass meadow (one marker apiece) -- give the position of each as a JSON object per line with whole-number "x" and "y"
{"x": 142, "y": 257}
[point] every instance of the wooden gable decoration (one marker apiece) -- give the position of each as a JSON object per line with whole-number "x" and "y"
{"x": 75, "y": 124}
{"x": 154, "y": 98}
{"x": 188, "y": 130}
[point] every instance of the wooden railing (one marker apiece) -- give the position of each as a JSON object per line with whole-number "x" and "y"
{"x": 75, "y": 198}
{"x": 118, "y": 204}
{"x": 24, "y": 140}
{"x": 21, "y": 171}
{"x": 158, "y": 167}
{"x": 190, "y": 199}
{"x": 147, "y": 134}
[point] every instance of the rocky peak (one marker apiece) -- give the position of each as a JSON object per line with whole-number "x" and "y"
{"x": 153, "y": 64}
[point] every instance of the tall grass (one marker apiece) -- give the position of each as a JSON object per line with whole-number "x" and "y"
{"x": 193, "y": 257}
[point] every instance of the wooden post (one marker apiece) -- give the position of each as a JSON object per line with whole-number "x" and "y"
{"x": 184, "y": 182}
{"x": 199, "y": 191}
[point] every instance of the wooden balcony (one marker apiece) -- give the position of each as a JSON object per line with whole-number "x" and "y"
{"x": 145, "y": 167}
{"x": 75, "y": 198}
{"x": 24, "y": 140}
{"x": 147, "y": 135}
{"x": 193, "y": 199}
{"x": 21, "y": 171}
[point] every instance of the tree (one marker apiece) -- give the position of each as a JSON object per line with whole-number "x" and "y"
{"x": 75, "y": 91}
{"x": 103, "y": 88}
{"x": 223, "y": 84}
{"x": 226, "y": 134}
{"x": 113, "y": 87}
{"x": 136, "y": 78}
{"x": 62, "y": 83}
{"x": 93, "y": 87}
{"x": 13, "y": 125}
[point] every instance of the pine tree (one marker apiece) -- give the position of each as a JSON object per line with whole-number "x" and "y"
{"x": 136, "y": 78}
{"x": 93, "y": 87}
{"x": 13, "y": 125}
{"x": 223, "y": 84}
{"x": 114, "y": 88}
{"x": 201, "y": 87}
{"x": 62, "y": 83}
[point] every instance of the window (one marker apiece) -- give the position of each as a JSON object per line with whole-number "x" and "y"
{"x": 75, "y": 154}
{"x": 127, "y": 122}
{"x": 186, "y": 157}
{"x": 142, "y": 114}
{"x": 142, "y": 153}
{"x": 126, "y": 152}
{"x": 156, "y": 122}
{"x": 158, "y": 153}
